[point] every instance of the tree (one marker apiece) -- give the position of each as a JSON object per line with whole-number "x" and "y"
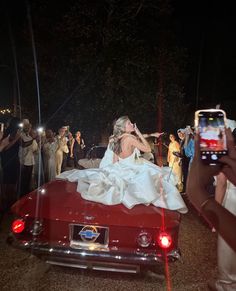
{"x": 102, "y": 59}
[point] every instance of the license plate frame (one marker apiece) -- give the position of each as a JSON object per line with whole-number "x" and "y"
{"x": 89, "y": 236}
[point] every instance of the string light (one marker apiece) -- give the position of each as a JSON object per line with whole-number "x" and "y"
{"x": 5, "y": 111}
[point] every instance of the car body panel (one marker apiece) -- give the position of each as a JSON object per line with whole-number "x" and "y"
{"x": 59, "y": 200}
{"x": 53, "y": 211}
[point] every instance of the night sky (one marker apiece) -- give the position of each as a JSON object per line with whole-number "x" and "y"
{"x": 205, "y": 28}
{"x": 208, "y": 30}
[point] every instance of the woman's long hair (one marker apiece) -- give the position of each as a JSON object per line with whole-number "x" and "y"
{"x": 118, "y": 131}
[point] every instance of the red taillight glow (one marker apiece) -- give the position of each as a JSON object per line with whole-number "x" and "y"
{"x": 164, "y": 240}
{"x": 18, "y": 226}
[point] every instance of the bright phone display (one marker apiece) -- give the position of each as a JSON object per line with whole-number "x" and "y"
{"x": 210, "y": 124}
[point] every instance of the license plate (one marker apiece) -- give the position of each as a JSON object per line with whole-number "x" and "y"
{"x": 87, "y": 235}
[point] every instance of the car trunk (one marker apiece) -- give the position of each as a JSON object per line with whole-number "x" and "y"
{"x": 59, "y": 200}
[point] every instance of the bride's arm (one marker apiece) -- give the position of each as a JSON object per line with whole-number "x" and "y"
{"x": 155, "y": 134}
{"x": 142, "y": 143}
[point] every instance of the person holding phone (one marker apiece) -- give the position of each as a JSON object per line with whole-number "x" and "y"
{"x": 225, "y": 194}
{"x": 223, "y": 220}
{"x": 28, "y": 146}
{"x": 226, "y": 256}
{"x": 10, "y": 162}
{"x": 199, "y": 176}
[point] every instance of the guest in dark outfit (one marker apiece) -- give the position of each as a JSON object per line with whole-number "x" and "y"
{"x": 77, "y": 148}
{"x": 10, "y": 164}
{"x": 184, "y": 159}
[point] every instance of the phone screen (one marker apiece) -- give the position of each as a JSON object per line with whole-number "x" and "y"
{"x": 211, "y": 128}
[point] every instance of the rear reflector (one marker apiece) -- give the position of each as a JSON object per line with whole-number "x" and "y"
{"x": 18, "y": 226}
{"x": 144, "y": 239}
{"x": 164, "y": 240}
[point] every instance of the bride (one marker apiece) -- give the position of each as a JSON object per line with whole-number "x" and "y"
{"x": 124, "y": 177}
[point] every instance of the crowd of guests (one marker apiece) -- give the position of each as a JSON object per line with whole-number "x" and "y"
{"x": 30, "y": 157}
{"x": 22, "y": 148}
{"x": 27, "y": 152}
{"x": 180, "y": 155}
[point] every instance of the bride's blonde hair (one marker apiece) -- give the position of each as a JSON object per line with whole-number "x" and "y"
{"x": 118, "y": 131}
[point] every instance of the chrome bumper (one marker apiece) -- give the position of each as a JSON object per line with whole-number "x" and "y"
{"x": 97, "y": 260}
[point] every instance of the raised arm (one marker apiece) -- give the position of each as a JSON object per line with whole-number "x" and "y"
{"x": 141, "y": 143}
{"x": 154, "y": 134}
{"x": 71, "y": 147}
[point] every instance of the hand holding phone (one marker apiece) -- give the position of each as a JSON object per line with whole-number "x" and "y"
{"x": 210, "y": 124}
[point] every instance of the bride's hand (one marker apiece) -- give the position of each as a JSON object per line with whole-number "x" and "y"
{"x": 157, "y": 134}
{"x": 136, "y": 130}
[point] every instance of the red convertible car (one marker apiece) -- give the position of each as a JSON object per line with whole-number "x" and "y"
{"x": 56, "y": 224}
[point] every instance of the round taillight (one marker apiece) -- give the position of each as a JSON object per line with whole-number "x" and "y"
{"x": 144, "y": 239}
{"x": 164, "y": 240}
{"x": 18, "y": 226}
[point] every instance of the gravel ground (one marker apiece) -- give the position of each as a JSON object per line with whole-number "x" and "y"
{"x": 22, "y": 271}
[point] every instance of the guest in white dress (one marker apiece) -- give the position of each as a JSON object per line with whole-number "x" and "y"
{"x": 225, "y": 195}
{"x": 125, "y": 177}
{"x": 61, "y": 149}
{"x": 49, "y": 153}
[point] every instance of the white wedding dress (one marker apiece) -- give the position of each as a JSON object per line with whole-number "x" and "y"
{"x": 129, "y": 181}
{"x": 226, "y": 256}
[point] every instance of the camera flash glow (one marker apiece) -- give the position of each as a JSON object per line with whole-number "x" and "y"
{"x": 40, "y": 129}
{"x": 43, "y": 191}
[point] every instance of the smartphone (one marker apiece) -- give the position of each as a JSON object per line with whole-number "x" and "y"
{"x": 210, "y": 124}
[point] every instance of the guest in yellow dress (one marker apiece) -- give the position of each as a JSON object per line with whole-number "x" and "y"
{"x": 173, "y": 159}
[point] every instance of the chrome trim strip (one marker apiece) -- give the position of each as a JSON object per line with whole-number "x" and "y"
{"x": 100, "y": 256}
{"x": 131, "y": 269}
{"x": 79, "y": 266}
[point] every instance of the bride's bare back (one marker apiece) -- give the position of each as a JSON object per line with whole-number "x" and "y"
{"x": 129, "y": 142}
